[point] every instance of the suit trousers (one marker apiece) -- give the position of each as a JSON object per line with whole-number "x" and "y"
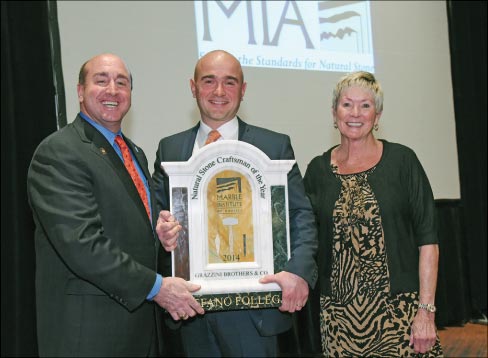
{"x": 225, "y": 334}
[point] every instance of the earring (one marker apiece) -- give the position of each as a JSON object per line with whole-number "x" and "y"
{"x": 335, "y": 125}
{"x": 376, "y": 127}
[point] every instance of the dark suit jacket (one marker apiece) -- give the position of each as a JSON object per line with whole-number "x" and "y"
{"x": 303, "y": 234}
{"x": 96, "y": 249}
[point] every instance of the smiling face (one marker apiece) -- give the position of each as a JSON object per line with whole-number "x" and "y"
{"x": 219, "y": 87}
{"x": 104, "y": 91}
{"x": 356, "y": 113}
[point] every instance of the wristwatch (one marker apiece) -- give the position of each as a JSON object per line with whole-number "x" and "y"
{"x": 427, "y": 306}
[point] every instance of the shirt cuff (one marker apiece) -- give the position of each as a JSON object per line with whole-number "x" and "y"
{"x": 156, "y": 287}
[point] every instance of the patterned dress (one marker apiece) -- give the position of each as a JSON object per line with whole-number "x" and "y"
{"x": 361, "y": 318}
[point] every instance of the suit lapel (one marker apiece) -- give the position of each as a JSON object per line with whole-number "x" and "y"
{"x": 189, "y": 142}
{"x": 245, "y": 132}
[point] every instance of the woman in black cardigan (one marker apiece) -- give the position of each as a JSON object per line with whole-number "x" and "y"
{"x": 378, "y": 253}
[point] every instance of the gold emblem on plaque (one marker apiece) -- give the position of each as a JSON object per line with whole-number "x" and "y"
{"x": 230, "y": 220}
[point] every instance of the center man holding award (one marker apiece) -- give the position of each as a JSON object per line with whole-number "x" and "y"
{"x": 238, "y": 215}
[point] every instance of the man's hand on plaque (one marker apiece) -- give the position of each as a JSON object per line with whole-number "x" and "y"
{"x": 167, "y": 229}
{"x": 294, "y": 290}
{"x": 176, "y": 298}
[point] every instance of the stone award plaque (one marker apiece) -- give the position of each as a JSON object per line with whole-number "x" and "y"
{"x": 232, "y": 202}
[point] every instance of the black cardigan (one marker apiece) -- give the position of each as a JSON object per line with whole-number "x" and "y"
{"x": 406, "y": 206}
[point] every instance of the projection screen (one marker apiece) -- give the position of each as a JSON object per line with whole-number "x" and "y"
{"x": 293, "y": 53}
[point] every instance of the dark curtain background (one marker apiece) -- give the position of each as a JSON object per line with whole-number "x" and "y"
{"x": 33, "y": 107}
{"x": 28, "y": 115}
{"x": 467, "y": 35}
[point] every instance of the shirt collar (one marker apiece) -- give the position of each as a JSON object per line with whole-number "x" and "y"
{"x": 228, "y": 130}
{"x": 109, "y": 135}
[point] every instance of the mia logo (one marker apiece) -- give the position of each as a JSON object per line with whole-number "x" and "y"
{"x": 266, "y": 39}
{"x": 309, "y": 35}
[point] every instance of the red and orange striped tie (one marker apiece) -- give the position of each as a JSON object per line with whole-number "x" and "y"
{"x": 129, "y": 165}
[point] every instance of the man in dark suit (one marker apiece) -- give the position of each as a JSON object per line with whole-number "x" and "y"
{"x": 218, "y": 86}
{"x": 97, "y": 278}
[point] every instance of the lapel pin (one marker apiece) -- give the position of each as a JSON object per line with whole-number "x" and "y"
{"x": 103, "y": 151}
